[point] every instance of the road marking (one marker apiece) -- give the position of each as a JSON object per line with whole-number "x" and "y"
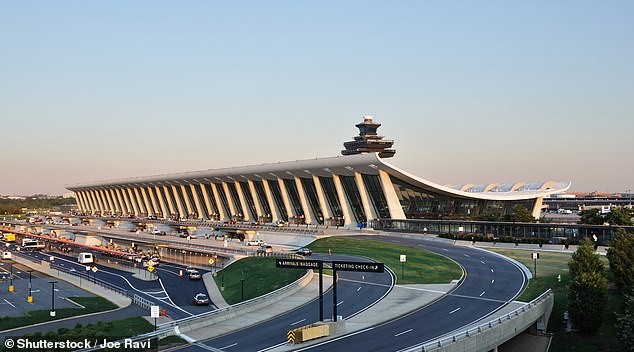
{"x": 11, "y": 304}
{"x": 359, "y": 289}
{"x": 228, "y": 346}
{"x": 362, "y": 277}
{"x": 492, "y": 271}
{"x": 492, "y": 281}
{"x": 205, "y": 347}
{"x": 445, "y": 249}
{"x": 339, "y": 303}
{"x": 482, "y": 262}
{"x": 404, "y": 332}
{"x": 455, "y": 310}
{"x": 299, "y": 321}
{"x": 482, "y": 293}
{"x": 466, "y": 255}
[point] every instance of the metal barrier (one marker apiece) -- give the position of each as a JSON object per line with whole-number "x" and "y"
{"x": 28, "y": 257}
{"x": 446, "y": 343}
{"x": 142, "y": 302}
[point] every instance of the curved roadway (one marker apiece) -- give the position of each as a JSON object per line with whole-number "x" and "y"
{"x": 490, "y": 283}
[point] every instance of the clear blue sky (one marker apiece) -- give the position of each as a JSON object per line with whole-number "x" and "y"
{"x": 472, "y": 91}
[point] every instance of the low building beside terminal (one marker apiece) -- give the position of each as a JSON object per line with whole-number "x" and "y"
{"x": 346, "y": 190}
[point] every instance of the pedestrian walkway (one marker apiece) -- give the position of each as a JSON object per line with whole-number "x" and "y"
{"x": 214, "y": 293}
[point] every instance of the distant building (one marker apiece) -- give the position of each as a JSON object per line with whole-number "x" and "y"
{"x": 345, "y": 190}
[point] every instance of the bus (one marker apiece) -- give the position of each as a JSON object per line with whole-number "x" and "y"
{"x": 32, "y": 244}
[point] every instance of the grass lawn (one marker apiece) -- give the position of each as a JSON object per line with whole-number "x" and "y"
{"x": 92, "y": 304}
{"x": 549, "y": 265}
{"x": 421, "y": 267}
{"x": 260, "y": 277}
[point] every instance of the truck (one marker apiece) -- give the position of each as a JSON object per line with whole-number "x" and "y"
{"x": 85, "y": 258}
{"x": 30, "y": 244}
{"x": 8, "y": 237}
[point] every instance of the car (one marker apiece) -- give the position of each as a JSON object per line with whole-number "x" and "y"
{"x": 189, "y": 269}
{"x": 201, "y": 299}
{"x": 156, "y": 232}
{"x": 265, "y": 250}
{"x": 194, "y": 275}
{"x": 257, "y": 242}
{"x": 304, "y": 251}
{"x": 132, "y": 229}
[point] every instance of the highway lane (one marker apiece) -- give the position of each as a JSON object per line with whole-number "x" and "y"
{"x": 355, "y": 292}
{"x": 170, "y": 291}
{"x": 490, "y": 283}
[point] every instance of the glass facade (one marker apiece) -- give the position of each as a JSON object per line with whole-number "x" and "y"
{"x": 237, "y": 205}
{"x": 330, "y": 191}
{"x": 215, "y": 213}
{"x": 293, "y": 195}
{"x": 276, "y": 192}
{"x": 418, "y": 203}
{"x": 190, "y": 195}
{"x": 181, "y": 198}
{"x": 264, "y": 203}
{"x": 201, "y": 200}
{"x": 246, "y": 192}
{"x": 172, "y": 200}
{"x": 313, "y": 201}
{"x": 354, "y": 198}
{"x": 377, "y": 196}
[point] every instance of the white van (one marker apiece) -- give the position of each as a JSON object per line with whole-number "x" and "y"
{"x": 6, "y": 255}
{"x": 85, "y": 258}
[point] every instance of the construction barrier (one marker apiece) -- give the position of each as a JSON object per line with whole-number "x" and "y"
{"x": 307, "y": 332}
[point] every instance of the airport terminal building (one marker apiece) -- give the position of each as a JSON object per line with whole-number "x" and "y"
{"x": 356, "y": 187}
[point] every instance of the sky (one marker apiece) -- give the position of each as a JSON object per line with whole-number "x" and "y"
{"x": 471, "y": 91}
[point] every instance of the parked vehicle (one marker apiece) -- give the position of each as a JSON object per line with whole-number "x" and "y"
{"x": 257, "y": 242}
{"x": 86, "y": 258}
{"x": 201, "y": 299}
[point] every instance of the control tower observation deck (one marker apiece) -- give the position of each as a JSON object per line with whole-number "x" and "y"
{"x": 368, "y": 141}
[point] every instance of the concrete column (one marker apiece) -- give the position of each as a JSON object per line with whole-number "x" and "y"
{"x": 396, "y": 210}
{"x": 325, "y": 210}
{"x": 77, "y": 202}
{"x": 309, "y": 216}
{"x": 133, "y": 202}
{"x": 181, "y": 209}
{"x": 232, "y": 207}
{"x": 349, "y": 218}
{"x": 256, "y": 200}
{"x": 139, "y": 201}
{"x": 82, "y": 201}
{"x": 275, "y": 211}
{"x": 368, "y": 209}
{"x": 100, "y": 201}
{"x": 210, "y": 210}
{"x": 153, "y": 202}
{"x": 537, "y": 207}
{"x": 93, "y": 202}
{"x": 287, "y": 202}
{"x": 106, "y": 196}
{"x": 170, "y": 202}
{"x": 188, "y": 202}
{"x": 160, "y": 194}
{"x": 111, "y": 201}
{"x": 221, "y": 209}
{"x": 124, "y": 205}
{"x": 146, "y": 201}
{"x": 245, "y": 208}
{"x": 199, "y": 207}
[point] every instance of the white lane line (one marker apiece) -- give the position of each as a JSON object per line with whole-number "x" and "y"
{"x": 482, "y": 262}
{"x": 299, "y": 321}
{"x": 359, "y": 289}
{"x": 339, "y": 303}
{"x": 233, "y": 344}
{"x": 362, "y": 277}
{"x": 11, "y": 304}
{"x": 492, "y": 281}
{"x": 482, "y": 294}
{"x": 445, "y": 249}
{"x": 204, "y": 347}
{"x": 466, "y": 255}
{"x": 455, "y": 310}
{"x": 404, "y": 332}
{"x": 492, "y": 271}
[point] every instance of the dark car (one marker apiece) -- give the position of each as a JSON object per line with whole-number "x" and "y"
{"x": 201, "y": 299}
{"x": 305, "y": 251}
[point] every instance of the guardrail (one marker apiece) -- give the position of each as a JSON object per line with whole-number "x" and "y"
{"x": 475, "y": 338}
{"x": 206, "y": 319}
{"x": 28, "y": 257}
{"x": 142, "y": 302}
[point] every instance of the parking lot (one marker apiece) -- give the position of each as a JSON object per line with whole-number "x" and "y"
{"x": 16, "y": 303}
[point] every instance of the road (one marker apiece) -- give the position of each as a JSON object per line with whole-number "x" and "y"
{"x": 490, "y": 283}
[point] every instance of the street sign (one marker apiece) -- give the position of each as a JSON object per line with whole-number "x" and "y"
{"x": 290, "y": 336}
{"x": 403, "y": 258}
{"x": 297, "y": 263}
{"x": 371, "y": 267}
{"x": 211, "y": 261}
{"x": 535, "y": 255}
{"x": 150, "y": 268}
{"x": 154, "y": 312}
{"x": 94, "y": 269}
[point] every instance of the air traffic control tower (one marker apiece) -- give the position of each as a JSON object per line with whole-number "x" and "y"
{"x": 368, "y": 141}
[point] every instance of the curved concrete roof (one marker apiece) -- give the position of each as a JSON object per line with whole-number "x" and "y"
{"x": 341, "y": 165}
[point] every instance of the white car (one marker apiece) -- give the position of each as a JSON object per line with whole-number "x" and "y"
{"x": 257, "y": 242}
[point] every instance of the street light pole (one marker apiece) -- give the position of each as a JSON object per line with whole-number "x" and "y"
{"x": 11, "y": 279}
{"x": 30, "y": 298}
{"x": 52, "y": 297}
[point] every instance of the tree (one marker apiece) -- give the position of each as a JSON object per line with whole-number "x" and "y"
{"x": 619, "y": 216}
{"x": 521, "y": 214}
{"x": 591, "y": 217}
{"x": 588, "y": 289}
{"x": 621, "y": 259}
{"x": 625, "y": 323}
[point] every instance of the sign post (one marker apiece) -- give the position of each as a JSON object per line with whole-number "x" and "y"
{"x": 307, "y": 264}
{"x": 369, "y": 267}
{"x": 403, "y": 259}
{"x": 535, "y": 256}
{"x": 154, "y": 313}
